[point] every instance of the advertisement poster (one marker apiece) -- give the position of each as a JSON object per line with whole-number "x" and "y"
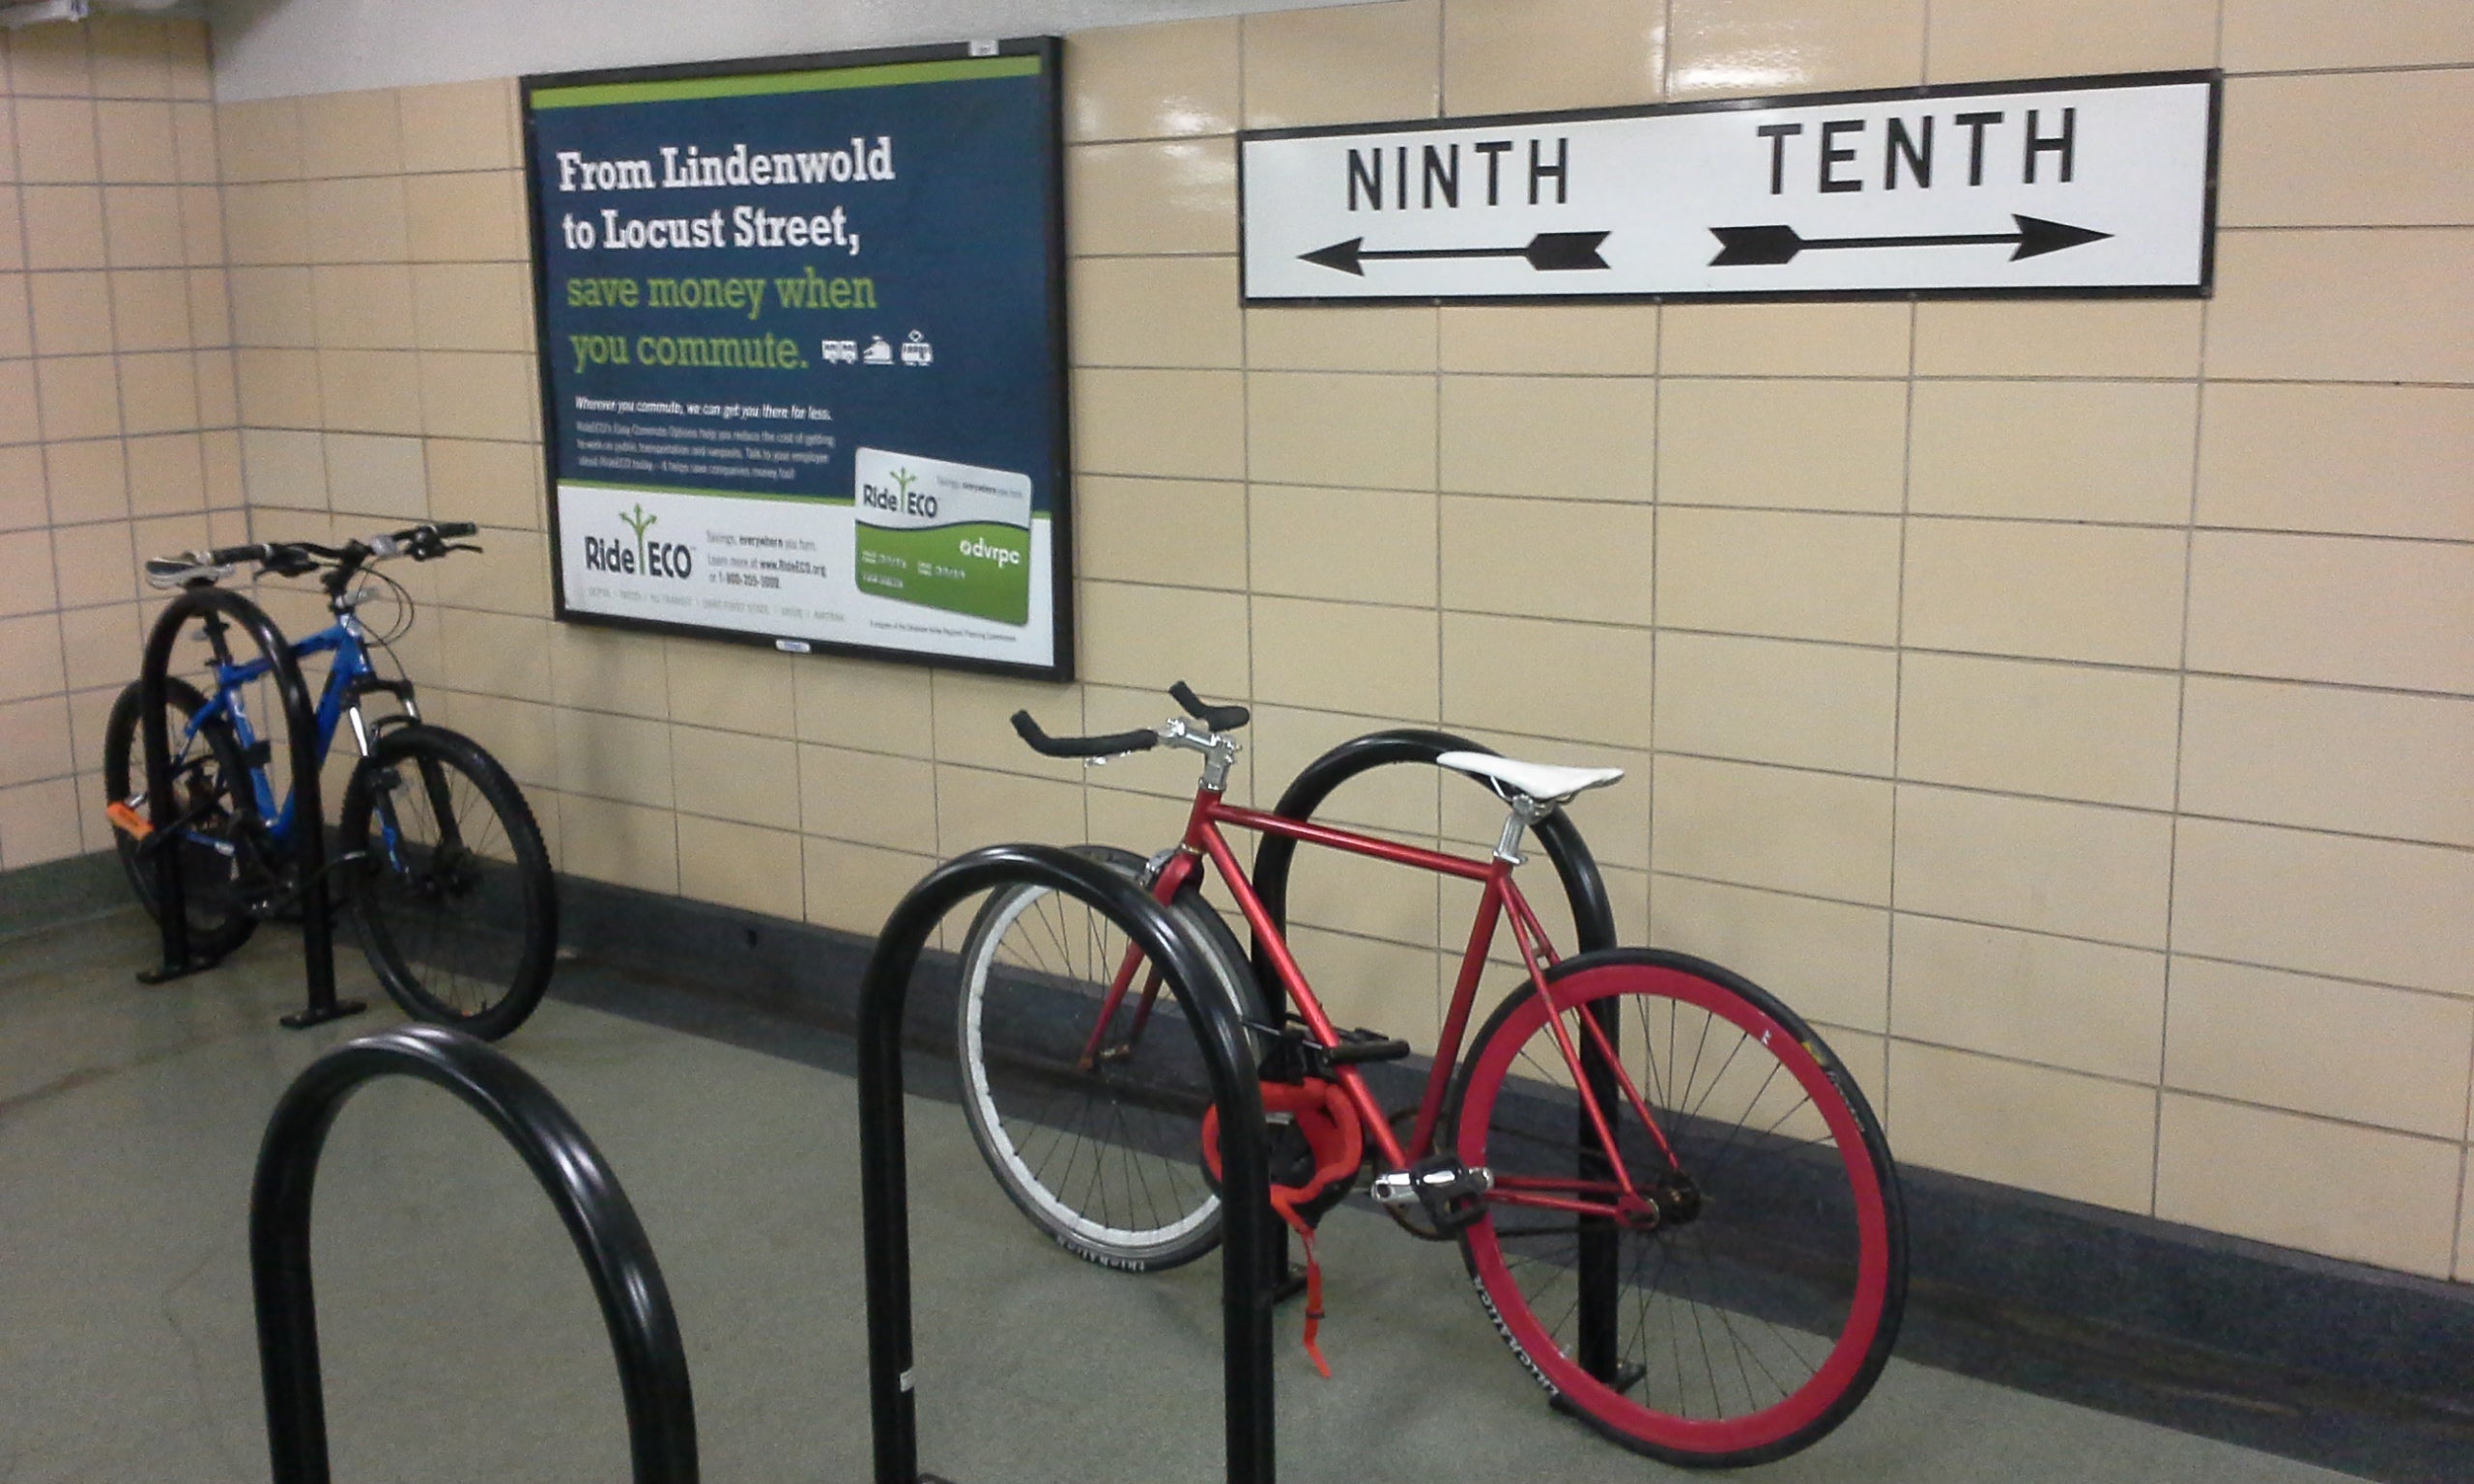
{"x": 802, "y": 352}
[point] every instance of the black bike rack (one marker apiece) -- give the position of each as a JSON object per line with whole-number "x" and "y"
{"x": 219, "y": 607}
{"x": 1593, "y": 929}
{"x": 1248, "y": 1225}
{"x": 635, "y": 1302}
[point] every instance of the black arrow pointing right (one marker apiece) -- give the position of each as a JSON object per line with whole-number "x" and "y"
{"x": 1771, "y": 246}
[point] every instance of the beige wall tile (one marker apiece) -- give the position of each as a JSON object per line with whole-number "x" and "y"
{"x": 373, "y": 391}
{"x": 974, "y": 722}
{"x": 16, "y": 321}
{"x": 1794, "y": 575}
{"x": 1776, "y": 700}
{"x": 1347, "y": 657}
{"x": 80, "y": 396}
{"x": 50, "y": 60}
{"x": 854, "y": 703}
{"x": 2317, "y": 1046}
{"x": 372, "y": 476}
{"x": 210, "y": 307}
{"x": 1177, "y": 424}
{"x": 2079, "y": 1137}
{"x": 976, "y": 807}
{"x": 2282, "y": 166}
{"x": 136, "y": 143}
{"x": 493, "y": 484}
{"x": 351, "y": 133}
{"x": 1812, "y": 445}
{"x": 1588, "y": 439}
{"x": 145, "y": 228}
{"x": 2367, "y": 460}
{"x": 737, "y": 687}
{"x": 2059, "y": 338}
{"x": 1366, "y": 546}
{"x": 1343, "y": 65}
{"x": 158, "y": 393}
{"x": 361, "y": 221}
{"x": 2266, "y": 34}
{"x": 868, "y": 797}
{"x": 1146, "y": 636}
{"x": 1367, "y": 981}
{"x": 30, "y": 657}
{"x": 855, "y": 888}
{"x": 13, "y": 233}
{"x": 494, "y": 654}
{"x": 1188, "y": 532}
{"x": 1152, "y": 83}
{"x": 63, "y": 227}
{"x": 278, "y": 389}
{"x": 476, "y": 394}
{"x": 604, "y": 841}
{"x": 2400, "y": 914}
{"x": 193, "y": 144}
{"x": 1355, "y": 894}
{"x": 510, "y": 575}
{"x": 39, "y": 823}
{"x": 1517, "y": 56}
{"x": 151, "y": 311}
{"x": 1376, "y": 432}
{"x": 286, "y": 470}
{"x": 132, "y": 56}
{"x": 1547, "y": 558}
{"x": 100, "y": 646}
{"x": 19, "y": 423}
{"x": 1828, "y": 961}
{"x": 2108, "y": 594}
{"x": 459, "y": 125}
{"x": 1178, "y": 196}
{"x": 2056, "y": 450}
{"x": 73, "y": 313}
{"x": 466, "y": 218}
{"x": 730, "y": 775}
{"x": 266, "y": 223}
{"x": 167, "y": 475}
{"x": 2107, "y": 736}
{"x": 35, "y": 741}
{"x": 2330, "y": 607}
{"x": 23, "y": 500}
{"x": 1819, "y": 834}
{"x": 607, "y": 670}
{"x": 1974, "y": 39}
{"x": 1389, "y": 337}
{"x": 2073, "y": 869}
{"x": 1156, "y": 312}
{"x": 218, "y": 391}
{"x": 522, "y": 734}
{"x": 2340, "y": 307}
{"x": 260, "y": 141}
{"x": 1401, "y": 798}
{"x": 27, "y": 556}
{"x": 2361, "y": 761}
{"x": 1536, "y": 676}
{"x": 201, "y": 213}
{"x": 2087, "y": 1007}
{"x": 2381, "y": 1198}
{"x": 56, "y": 140}
{"x": 472, "y": 307}
{"x": 1791, "y": 340}
{"x": 87, "y": 481}
{"x": 362, "y": 307}
{"x": 621, "y": 757}
{"x": 1551, "y": 339}
{"x": 1722, "y": 48}
{"x": 95, "y": 564}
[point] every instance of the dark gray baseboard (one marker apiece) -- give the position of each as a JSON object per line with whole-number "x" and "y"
{"x": 61, "y": 891}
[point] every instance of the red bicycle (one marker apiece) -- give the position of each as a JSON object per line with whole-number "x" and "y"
{"x": 1673, "y": 1201}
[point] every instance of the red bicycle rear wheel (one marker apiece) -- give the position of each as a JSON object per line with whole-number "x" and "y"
{"x": 1751, "y": 1311}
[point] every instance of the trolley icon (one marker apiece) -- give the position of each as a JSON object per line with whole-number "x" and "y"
{"x": 916, "y": 351}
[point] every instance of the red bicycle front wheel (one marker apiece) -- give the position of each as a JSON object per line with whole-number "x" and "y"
{"x": 1751, "y": 1310}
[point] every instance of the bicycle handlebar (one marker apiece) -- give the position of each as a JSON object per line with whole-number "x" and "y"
{"x": 1081, "y": 747}
{"x": 1217, "y": 718}
{"x": 292, "y": 558}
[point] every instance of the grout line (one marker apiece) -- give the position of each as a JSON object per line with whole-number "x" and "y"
{"x": 1898, "y": 679}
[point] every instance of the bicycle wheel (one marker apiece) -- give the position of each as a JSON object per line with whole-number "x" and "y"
{"x": 213, "y": 787}
{"x": 1102, "y": 1154}
{"x": 449, "y": 881}
{"x": 1741, "y": 1309}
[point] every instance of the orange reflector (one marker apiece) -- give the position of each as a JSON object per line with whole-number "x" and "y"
{"x": 128, "y": 820}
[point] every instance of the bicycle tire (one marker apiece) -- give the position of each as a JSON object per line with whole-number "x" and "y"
{"x": 464, "y": 936}
{"x": 1764, "y": 1306}
{"x": 1107, "y": 1160}
{"x": 219, "y": 918}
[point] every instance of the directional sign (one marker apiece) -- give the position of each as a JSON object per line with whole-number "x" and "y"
{"x": 2082, "y": 185}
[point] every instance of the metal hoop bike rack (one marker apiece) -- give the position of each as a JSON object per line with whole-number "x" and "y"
{"x": 626, "y": 1280}
{"x": 216, "y": 606}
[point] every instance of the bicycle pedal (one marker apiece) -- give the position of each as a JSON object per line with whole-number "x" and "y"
{"x": 1453, "y": 1194}
{"x": 1366, "y": 1046}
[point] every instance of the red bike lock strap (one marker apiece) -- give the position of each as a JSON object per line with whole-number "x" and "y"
{"x": 1329, "y": 1123}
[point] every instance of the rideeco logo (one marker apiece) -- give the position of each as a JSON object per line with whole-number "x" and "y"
{"x": 898, "y": 498}
{"x": 645, "y": 558}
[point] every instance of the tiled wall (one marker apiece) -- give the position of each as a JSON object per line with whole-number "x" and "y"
{"x": 116, "y": 404}
{"x": 2069, "y": 705}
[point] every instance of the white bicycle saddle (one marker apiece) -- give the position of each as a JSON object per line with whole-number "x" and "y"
{"x": 1543, "y": 782}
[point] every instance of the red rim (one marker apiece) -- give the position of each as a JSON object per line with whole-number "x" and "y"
{"x": 1809, "y": 1403}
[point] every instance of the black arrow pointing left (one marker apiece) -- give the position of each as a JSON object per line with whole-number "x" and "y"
{"x": 1548, "y": 252}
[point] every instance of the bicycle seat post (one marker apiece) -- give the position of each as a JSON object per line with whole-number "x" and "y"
{"x": 1525, "y": 812}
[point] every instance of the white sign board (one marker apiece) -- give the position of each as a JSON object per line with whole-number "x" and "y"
{"x": 2098, "y": 186}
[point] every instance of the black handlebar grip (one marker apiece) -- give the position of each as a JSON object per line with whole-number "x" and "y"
{"x": 235, "y": 556}
{"x": 452, "y": 530}
{"x": 1080, "y": 746}
{"x": 1217, "y": 718}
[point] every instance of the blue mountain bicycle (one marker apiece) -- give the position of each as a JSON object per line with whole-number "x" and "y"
{"x": 437, "y": 855}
